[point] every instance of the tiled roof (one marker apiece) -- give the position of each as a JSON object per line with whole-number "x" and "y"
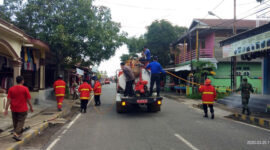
{"x": 229, "y": 23}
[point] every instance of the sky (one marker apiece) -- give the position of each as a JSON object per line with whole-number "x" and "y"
{"x": 136, "y": 15}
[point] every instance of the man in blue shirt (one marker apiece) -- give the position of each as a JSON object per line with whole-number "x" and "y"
{"x": 156, "y": 69}
{"x": 147, "y": 54}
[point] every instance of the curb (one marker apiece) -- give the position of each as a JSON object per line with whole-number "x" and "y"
{"x": 37, "y": 131}
{"x": 253, "y": 120}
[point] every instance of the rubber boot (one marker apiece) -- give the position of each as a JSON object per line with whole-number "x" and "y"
{"x": 212, "y": 116}
{"x": 205, "y": 115}
{"x": 243, "y": 111}
{"x": 248, "y": 112}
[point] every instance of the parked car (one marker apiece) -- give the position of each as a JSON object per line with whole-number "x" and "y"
{"x": 107, "y": 81}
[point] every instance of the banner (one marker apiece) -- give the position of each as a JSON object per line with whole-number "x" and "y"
{"x": 252, "y": 44}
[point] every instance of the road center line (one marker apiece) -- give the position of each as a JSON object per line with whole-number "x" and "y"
{"x": 185, "y": 141}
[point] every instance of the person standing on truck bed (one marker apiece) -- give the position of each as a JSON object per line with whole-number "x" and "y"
{"x": 146, "y": 56}
{"x": 129, "y": 79}
{"x": 156, "y": 69}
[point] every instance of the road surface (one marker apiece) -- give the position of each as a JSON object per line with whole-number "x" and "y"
{"x": 176, "y": 127}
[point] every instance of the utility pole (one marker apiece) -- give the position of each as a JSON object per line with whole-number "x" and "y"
{"x": 233, "y": 59}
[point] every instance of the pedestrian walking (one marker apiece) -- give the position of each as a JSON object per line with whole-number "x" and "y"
{"x": 156, "y": 69}
{"x": 129, "y": 80}
{"x": 208, "y": 96}
{"x": 85, "y": 90}
{"x": 97, "y": 91}
{"x": 18, "y": 98}
{"x": 245, "y": 89}
{"x": 60, "y": 90}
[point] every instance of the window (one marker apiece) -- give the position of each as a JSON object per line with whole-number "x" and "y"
{"x": 246, "y": 73}
{"x": 238, "y": 68}
{"x": 246, "y": 68}
{"x": 202, "y": 44}
{"x": 238, "y": 73}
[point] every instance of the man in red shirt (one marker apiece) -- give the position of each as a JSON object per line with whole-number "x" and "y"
{"x": 85, "y": 90}
{"x": 18, "y": 98}
{"x": 59, "y": 89}
{"x": 208, "y": 97}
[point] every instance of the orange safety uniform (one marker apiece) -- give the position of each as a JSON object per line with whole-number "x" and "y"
{"x": 97, "y": 88}
{"x": 208, "y": 92}
{"x": 85, "y": 90}
{"x": 59, "y": 89}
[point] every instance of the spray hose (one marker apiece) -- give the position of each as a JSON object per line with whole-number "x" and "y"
{"x": 190, "y": 81}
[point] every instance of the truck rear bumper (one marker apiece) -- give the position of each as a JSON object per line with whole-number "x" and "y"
{"x": 136, "y": 100}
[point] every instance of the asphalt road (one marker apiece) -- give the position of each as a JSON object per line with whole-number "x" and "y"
{"x": 177, "y": 126}
{"x": 257, "y": 103}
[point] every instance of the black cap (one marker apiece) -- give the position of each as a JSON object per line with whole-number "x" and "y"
{"x": 122, "y": 63}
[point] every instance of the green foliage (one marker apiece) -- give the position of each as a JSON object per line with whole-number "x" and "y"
{"x": 195, "y": 96}
{"x": 10, "y": 8}
{"x": 135, "y": 45}
{"x": 159, "y": 36}
{"x": 203, "y": 69}
{"x": 72, "y": 28}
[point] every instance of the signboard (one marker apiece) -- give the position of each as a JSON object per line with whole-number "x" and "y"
{"x": 252, "y": 44}
{"x": 79, "y": 71}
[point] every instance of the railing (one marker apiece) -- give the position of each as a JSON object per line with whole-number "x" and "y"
{"x": 204, "y": 53}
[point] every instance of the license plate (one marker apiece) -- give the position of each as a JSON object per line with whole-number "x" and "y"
{"x": 142, "y": 101}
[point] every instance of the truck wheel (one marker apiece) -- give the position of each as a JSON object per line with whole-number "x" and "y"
{"x": 119, "y": 108}
{"x": 153, "y": 108}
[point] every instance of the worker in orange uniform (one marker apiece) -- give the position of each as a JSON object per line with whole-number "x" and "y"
{"x": 59, "y": 89}
{"x": 84, "y": 90}
{"x": 97, "y": 91}
{"x": 208, "y": 97}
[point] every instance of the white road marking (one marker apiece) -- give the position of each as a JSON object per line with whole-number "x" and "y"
{"x": 66, "y": 129}
{"x": 185, "y": 141}
{"x": 248, "y": 124}
{"x": 53, "y": 143}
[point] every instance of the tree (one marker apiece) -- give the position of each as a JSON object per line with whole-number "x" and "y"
{"x": 10, "y": 8}
{"x": 76, "y": 31}
{"x": 203, "y": 69}
{"x": 159, "y": 36}
{"x": 135, "y": 45}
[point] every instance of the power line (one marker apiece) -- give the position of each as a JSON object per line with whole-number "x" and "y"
{"x": 218, "y": 5}
{"x": 134, "y": 6}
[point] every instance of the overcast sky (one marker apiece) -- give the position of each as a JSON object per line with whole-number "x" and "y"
{"x": 136, "y": 15}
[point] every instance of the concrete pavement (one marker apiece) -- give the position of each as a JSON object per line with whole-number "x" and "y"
{"x": 177, "y": 126}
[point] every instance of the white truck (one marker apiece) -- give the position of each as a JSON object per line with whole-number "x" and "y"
{"x": 142, "y": 95}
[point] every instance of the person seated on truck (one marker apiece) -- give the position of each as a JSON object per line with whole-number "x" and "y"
{"x": 156, "y": 69}
{"x": 129, "y": 80}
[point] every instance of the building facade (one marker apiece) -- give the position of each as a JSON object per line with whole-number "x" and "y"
{"x": 201, "y": 43}
{"x": 20, "y": 54}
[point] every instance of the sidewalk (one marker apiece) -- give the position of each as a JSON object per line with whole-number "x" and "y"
{"x": 223, "y": 110}
{"x": 38, "y": 121}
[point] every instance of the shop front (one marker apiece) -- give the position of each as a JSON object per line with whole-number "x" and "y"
{"x": 20, "y": 55}
{"x": 251, "y": 45}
